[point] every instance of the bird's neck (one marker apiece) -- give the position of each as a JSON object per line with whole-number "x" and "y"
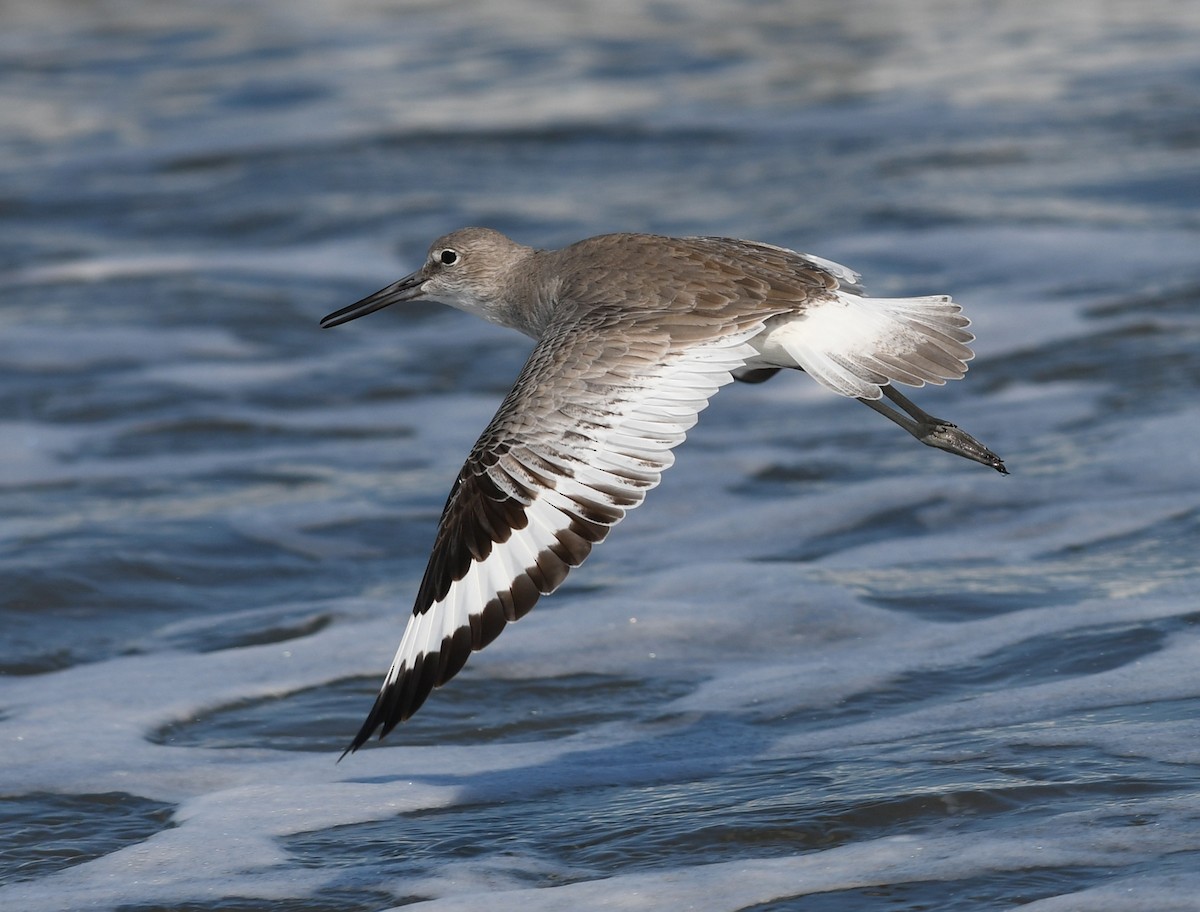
{"x": 529, "y": 303}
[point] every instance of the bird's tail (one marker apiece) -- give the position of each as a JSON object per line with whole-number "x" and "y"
{"x": 855, "y": 345}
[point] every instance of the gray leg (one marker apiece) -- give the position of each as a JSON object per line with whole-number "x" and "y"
{"x": 934, "y": 432}
{"x": 755, "y": 374}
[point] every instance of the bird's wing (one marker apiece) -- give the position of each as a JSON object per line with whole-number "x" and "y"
{"x": 584, "y": 433}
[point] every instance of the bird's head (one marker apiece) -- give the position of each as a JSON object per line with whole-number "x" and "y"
{"x": 466, "y": 269}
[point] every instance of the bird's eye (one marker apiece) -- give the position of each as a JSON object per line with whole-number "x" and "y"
{"x": 448, "y": 257}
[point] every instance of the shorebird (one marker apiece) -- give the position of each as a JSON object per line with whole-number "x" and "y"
{"x": 634, "y": 333}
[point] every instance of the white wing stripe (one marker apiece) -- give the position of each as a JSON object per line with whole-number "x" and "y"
{"x": 572, "y": 486}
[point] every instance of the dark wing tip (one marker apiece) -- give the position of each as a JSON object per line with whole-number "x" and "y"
{"x": 363, "y": 736}
{"x": 398, "y": 700}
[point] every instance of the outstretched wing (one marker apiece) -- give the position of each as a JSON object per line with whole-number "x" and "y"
{"x": 584, "y": 433}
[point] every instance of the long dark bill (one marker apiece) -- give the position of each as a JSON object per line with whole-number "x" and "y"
{"x": 406, "y": 289}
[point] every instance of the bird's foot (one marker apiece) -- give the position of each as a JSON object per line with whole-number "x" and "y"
{"x": 949, "y": 437}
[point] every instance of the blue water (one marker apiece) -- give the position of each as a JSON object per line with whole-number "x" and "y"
{"x": 824, "y": 669}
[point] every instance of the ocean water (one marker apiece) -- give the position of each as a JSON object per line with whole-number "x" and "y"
{"x": 824, "y": 669}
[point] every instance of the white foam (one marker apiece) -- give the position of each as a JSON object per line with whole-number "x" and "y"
{"x": 892, "y": 860}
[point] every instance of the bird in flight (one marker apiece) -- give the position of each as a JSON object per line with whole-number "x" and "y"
{"x": 634, "y": 333}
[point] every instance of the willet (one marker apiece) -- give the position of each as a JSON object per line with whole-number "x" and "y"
{"x": 634, "y": 333}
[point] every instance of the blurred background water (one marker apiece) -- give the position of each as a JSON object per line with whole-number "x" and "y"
{"x": 825, "y": 668}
